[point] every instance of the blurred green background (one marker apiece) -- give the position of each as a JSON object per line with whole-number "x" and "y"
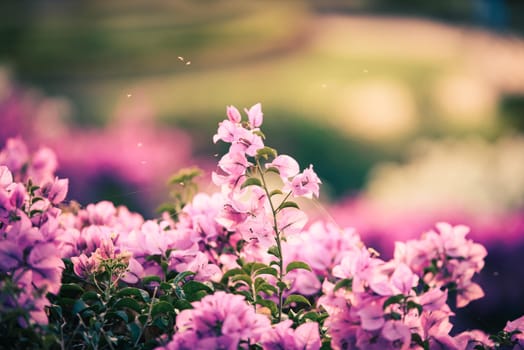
{"x": 343, "y": 84}
{"x": 412, "y": 107}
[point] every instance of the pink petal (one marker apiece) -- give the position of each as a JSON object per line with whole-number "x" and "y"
{"x": 255, "y": 115}
{"x": 233, "y": 114}
{"x": 307, "y": 336}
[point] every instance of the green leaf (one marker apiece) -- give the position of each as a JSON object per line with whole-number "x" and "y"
{"x": 314, "y": 316}
{"x": 396, "y": 316}
{"x": 273, "y": 170}
{"x": 182, "y": 305}
{"x": 295, "y": 265}
{"x": 259, "y": 133}
{"x": 181, "y": 276}
{"x": 266, "y": 271}
{"x": 90, "y": 296}
{"x": 275, "y": 192}
{"x": 233, "y": 272}
{"x": 262, "y": 286}
{"x": 274, "y": 251}
{"x": 191, "y": 287}
{"x": 71, "y": 289}
{"x": 166, "y": 207}
{"x": 156, "y": 258}
{"x": 166, "y": 287}
{"x": 240, "y": 244}
{"x": 162, "y": 307}
{"x": 118, "y": 314}
{"x": 288, "y": 204}
{"x": 417, "y": 339}
{"x": 395, "y": 299}
{"x": 36, "y": 199}
{"x": 196, "y": 296}
{"x": 242, "y": 278}
{"x": 131, "y": 291}
{"x": 252, "y": 181}
{"x": 79, "y": 306}
{"x": 266, "y": 153}
{"x": 271, "y": 305}
{"x": 251, "y": 267}
{"x": 412, "y": 305}
{"x": 35, "y": 211}
{"x": 345, "y": 283}
{"x": 185, "y": 175}
{"x": 151, "y": 279}
{"x": 282, "y": 285}
{"x": 296, "y": 298}
{"x": 129, "y": 303}
{"x": 135, "y": 331}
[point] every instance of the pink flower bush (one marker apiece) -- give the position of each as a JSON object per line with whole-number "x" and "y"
{"x": 238, "y": 268}
{"x": 31, "y": 264}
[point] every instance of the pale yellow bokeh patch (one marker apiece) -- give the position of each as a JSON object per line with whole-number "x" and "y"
{"x": 377, "y": 110}
{"x": 465, "y": 101}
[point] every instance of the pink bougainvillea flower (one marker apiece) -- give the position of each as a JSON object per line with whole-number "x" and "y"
{"x": 219, "y": 321}
{"x": 19, "y": 196}
{"x": 469, "y": 340}
{"x": 282, "y": 336}
{"x": 397, "y": 332}
{"x": 55, "y": 191}
{"x": 305, "y": 184}
{"x": 257, "y": 230}
{"x": 247, "y": 142}
{"x": 6, "y": 178}
{"x": 255, "y": 115}
{"x": 228, "y": 131}
{"x": 291, "y": 221}
{"x": 84, "y": 266}
{"x": 14, "y": 155}
{"x": 468, "y": 292}
{"x": 434, "y": 299}
{"x": 401, "y": 281}
{"x": 43, "y": 256}
{"x": 233, "y": 114}
{"x": 234, "y": 164}
{"x": 43, "y": 165}
{"x": 134, "y": 272}
{"x": 10, "y": 255}
{"x": 372, "y": 317}
{"x": 286, "y": 166}
{"x": 517, "y": 328}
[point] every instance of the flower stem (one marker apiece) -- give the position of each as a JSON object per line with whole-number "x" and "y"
{"x": 278, "y": 241}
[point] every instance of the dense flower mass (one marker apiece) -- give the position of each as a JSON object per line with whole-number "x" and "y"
{"x": 240, "y": 268}
{"x": 30, "y": 261}
{"x": 219, "y": 321}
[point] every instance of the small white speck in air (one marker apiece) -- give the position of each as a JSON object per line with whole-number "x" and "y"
{"x": 139, "y": 144}
{"x": 188, "y": 63}
{"x": 143, "y": 162}
{"x": 180, "y": 58}
{"x": 324, "y": 86}
{"x": 128, "y": 95}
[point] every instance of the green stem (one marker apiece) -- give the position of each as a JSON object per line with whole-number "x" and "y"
{"x": 278, "y": 241}
{"x": 149, "y": 317}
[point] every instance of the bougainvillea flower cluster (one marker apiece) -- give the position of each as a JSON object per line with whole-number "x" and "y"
{"x": 238, "y": 268}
